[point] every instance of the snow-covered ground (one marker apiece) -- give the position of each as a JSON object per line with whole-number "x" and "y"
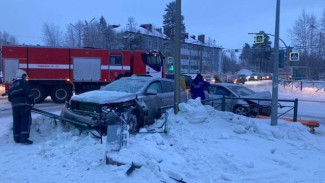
{"x": 202, "y": 145}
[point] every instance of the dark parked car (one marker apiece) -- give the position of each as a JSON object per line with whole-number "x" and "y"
{"x": 238, "y": 78}
{"x": 138, "y": 98}
{"x": 244, "y": 101}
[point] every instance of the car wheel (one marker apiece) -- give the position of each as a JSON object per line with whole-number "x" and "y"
{"x": 266, "y": 111}
{"x": 241, "y": 110}
{"x": 132, "y": 121}
{"x": 39, "y": 94}
{"x": 60, "y": 94}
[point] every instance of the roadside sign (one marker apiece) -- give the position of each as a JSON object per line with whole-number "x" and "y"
{"x": 259, "y": 38}
{"x": 294, "y": 56}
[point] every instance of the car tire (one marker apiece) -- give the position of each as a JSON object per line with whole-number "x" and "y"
{"x": 133, "y": 122}
{"x": 39, "y": 94}
{"x": 241, "y": 110}
{"x": 60, "y": 94}
{"x": 266, "y": 111}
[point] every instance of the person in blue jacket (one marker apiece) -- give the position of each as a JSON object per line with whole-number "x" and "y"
{"x": 197, "y": 87}
{"x": 21, "y": 98}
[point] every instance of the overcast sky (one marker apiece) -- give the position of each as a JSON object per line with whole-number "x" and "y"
{"x": 228, "y": 22}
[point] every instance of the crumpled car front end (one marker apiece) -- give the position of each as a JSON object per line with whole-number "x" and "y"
{"x": 98, "y": 108}
{"x": 260, "y": 106}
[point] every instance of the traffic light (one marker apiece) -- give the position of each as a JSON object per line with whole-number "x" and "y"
{"x": 294, "y": 56}
{"x": 171, "y": 67}
{"x": 259, "y": 38}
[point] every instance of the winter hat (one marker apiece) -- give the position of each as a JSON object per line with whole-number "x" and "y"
{"x": 20, "y": 74}
{"x": 198, "y": 76}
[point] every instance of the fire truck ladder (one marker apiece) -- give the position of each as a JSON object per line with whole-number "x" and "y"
{"x": 57, "y": 117}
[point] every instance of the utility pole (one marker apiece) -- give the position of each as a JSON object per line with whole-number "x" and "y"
{"x": 177, "y": 57}
{"x": 275, "y": 82}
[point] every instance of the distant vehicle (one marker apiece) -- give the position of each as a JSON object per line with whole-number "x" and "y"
{"x": 188, "y": 79}
{"x": 238, "y": 78}
{"x": 244, "y": 103}
{"x": 267, "y": 76}
{"x": 137, "y": 97}
{"x": 209, "y": 79}
{"x": 254, "y": 77}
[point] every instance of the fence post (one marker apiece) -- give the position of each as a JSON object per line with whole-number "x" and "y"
{"x": 295, "y": 110}
{"x": 223, "y": 104}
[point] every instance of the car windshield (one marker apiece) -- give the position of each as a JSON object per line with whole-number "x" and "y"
{"x": 127, "y": 84}
{"x": 241, "y": 90}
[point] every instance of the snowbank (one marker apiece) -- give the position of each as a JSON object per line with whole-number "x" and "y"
{"x": 202, "y": 145}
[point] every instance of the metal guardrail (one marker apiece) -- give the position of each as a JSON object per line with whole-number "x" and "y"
{"x": 223, "y": 104}
{"x": 301, "y": 84}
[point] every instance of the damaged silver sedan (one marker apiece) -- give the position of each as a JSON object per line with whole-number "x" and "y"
{"x": 137, "y": 98}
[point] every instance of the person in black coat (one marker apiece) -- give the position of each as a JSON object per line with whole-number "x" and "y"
{"x": 21, "y": 98}
{"x": 197, "y": 87}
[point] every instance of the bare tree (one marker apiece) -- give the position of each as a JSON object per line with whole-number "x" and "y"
{"x": 302, "y": 32}
{"x": 92, "y": 36}
{"x": 107, "y": 35}
{"x": 52, "y": 36}
{"x": 130, "y": 36}
{"x": 6, "y": 38}
{"x": 73, "y": 36}
{"x": 307, "y": 34}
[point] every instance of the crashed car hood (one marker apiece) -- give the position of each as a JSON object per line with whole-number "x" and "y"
{"x": 264, "y": 95}
{"x": 103, "y": 97}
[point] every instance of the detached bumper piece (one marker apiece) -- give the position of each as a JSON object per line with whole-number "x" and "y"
{"x": 57, "y": 117}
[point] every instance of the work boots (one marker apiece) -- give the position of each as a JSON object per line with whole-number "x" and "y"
{"x": 26, "y": 141}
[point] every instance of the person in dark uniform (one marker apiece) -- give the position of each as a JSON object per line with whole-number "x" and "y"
{"x": 21, "y": 98}
{"x": 197, "y": 87}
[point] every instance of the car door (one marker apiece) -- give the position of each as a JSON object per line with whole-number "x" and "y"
{"x": 167, "y": 96}
{"x": 218, "y": 92}
{"x": 153, "y": 99}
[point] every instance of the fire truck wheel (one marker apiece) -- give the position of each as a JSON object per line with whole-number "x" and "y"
{"x": 60, "y": 94}
{"x": 39, "y": 94}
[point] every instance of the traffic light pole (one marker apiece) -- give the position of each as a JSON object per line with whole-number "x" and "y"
{"x": 275, "y": 81}
{"x": 177, "y": 57}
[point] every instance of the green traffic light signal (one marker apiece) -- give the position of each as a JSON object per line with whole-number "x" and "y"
{"x": 171, "y": 68}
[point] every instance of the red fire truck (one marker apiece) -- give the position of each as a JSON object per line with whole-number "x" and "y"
{"x": 58, "y": 72}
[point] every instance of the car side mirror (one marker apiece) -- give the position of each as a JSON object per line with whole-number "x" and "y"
{"x": 152, "y": 92}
